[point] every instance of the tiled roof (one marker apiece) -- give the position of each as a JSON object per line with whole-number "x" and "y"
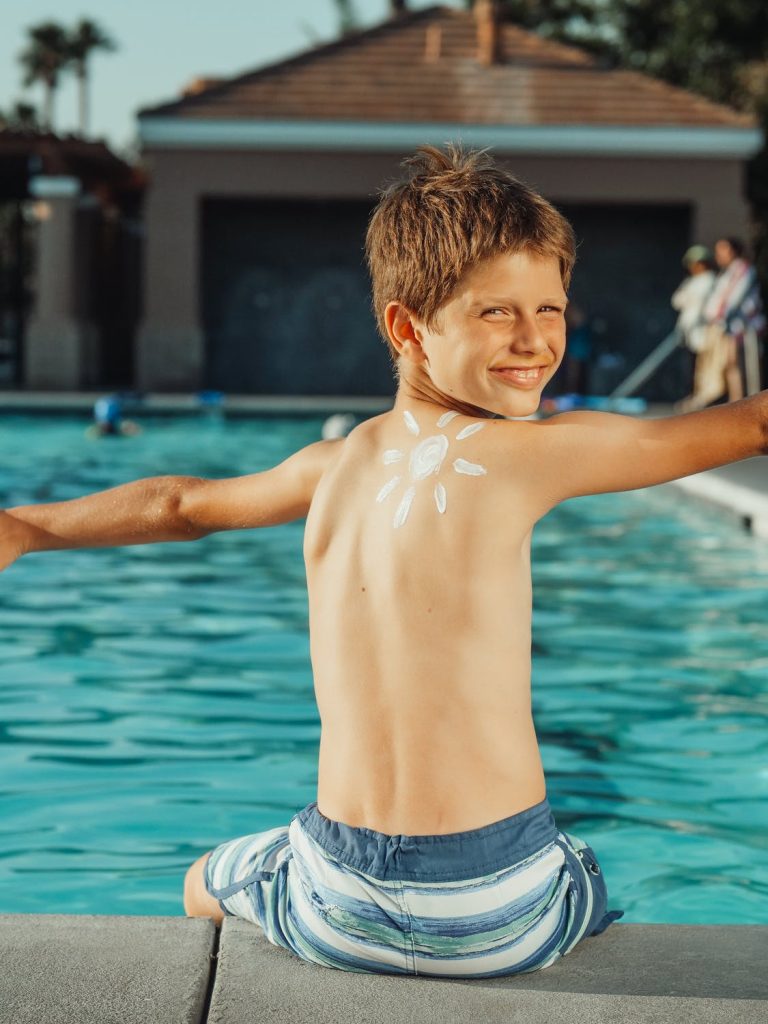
{"x": 424, "y": 68}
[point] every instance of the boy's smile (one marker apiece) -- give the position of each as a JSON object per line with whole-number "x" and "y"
{"x": 495, "y": 344}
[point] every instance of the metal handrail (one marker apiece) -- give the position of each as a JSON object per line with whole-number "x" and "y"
{"x": 649, "y": 365}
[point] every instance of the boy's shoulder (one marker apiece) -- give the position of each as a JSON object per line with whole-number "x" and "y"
{"x": 308, "y": 465}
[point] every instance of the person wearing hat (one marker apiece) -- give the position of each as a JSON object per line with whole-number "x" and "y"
{"x": 689, "y": 300}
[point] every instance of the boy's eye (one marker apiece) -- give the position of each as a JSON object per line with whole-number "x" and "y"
{"x": 494, "y": 309}
{"x": 553, "y": 309}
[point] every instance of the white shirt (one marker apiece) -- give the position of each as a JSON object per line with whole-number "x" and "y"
{"x": 690, "y": 299}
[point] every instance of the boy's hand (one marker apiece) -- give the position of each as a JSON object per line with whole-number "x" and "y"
{"x": 12, "y": 540}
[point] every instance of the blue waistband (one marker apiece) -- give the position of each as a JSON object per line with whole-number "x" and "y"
{"x": 440, "y": 858}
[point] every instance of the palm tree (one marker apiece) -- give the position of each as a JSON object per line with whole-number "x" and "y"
{"x": 87, "y": 37}
{"x": 46, "y": 54}
{"x": 347, "y": 16}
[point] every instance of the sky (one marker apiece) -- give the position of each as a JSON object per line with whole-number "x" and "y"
{"x": 163, "y": 45}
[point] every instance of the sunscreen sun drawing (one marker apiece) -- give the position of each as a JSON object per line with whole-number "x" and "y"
{"x": 426, "y": 459}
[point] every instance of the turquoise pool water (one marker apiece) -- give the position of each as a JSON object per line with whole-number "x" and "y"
{"x": 155, "y": 701}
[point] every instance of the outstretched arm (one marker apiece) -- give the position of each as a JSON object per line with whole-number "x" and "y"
{"x": 167, "y": 508}
{"x": 591, "y": 452}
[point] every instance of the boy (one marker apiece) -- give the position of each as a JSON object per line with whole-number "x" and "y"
{"x": 431, "y": 848}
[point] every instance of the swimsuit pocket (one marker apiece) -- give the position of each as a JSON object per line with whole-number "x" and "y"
{"x": 601, "y": 917}
{"x": 588, "y": 858}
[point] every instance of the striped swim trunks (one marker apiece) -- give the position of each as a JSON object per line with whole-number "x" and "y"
{"x": 513, "y": 896}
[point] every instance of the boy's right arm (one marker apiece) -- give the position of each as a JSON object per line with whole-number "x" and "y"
{"x": 167, "y": 508}
{"x": 581, "y": 453}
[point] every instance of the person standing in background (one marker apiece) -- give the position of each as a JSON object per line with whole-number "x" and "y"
{"x": 732, "y": 309}
{"x": 689, "y": 300}
{"x": 741, "y": 308}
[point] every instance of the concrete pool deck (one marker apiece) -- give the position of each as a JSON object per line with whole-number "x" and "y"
{"x": 741, "y": 490}
{"x": 81, "y": 403}
{"x": 60, "y": 969}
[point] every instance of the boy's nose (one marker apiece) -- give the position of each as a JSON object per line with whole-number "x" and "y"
{"x": 527, "y": 337}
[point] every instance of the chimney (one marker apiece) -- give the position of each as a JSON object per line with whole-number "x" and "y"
{"x": 200, "y": 84}
{"x": 396, "y": 8}
{"x": 488, "y": 32}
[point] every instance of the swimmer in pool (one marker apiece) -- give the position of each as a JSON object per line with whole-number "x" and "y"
{"x": 431, "y": 847}
{"x": 108, "y": 419}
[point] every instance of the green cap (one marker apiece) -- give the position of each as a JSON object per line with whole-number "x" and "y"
{"x": 696, "y": 254}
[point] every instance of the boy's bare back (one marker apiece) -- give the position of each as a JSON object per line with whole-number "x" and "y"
{"x": 421, "y": 632}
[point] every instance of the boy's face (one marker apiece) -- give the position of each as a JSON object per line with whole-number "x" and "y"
{"x": 500, "y": 337}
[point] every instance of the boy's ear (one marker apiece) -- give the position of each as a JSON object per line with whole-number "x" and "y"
{"x": 404, "y": 333}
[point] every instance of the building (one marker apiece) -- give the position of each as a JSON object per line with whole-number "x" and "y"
{"x": 69, "y": 262}
{"x": 261, "y": 186}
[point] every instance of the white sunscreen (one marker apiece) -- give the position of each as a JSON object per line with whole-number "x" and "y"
{"x": 469, "y": 468}
{"x": 440, "y": 498}
{"x": 411, "y": 424}
{"x": 404, "y": 507}
{"x": 387, "y": 489}
{"x": 469, "y": 431}
{"x": 426, "y": 459}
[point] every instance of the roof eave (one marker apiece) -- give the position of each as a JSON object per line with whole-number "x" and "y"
{"x": 724, "y": 142}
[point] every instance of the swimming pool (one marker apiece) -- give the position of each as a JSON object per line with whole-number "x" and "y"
{"x": 157, "y": 700}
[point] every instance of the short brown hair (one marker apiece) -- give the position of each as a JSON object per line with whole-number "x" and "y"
{"x": 453, "y": 210}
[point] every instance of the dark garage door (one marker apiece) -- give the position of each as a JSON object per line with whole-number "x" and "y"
{"x": 627, "y": 267}
{"x": 286, "y": 300}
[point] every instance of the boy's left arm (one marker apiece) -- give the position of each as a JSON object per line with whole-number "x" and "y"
{"x": 582, "y": 453}
{"x": 168, "y": 508}
{"x": 275, "y": 496}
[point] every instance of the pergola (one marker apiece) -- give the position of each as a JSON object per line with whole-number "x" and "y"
{"x": 27, "y": 155}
